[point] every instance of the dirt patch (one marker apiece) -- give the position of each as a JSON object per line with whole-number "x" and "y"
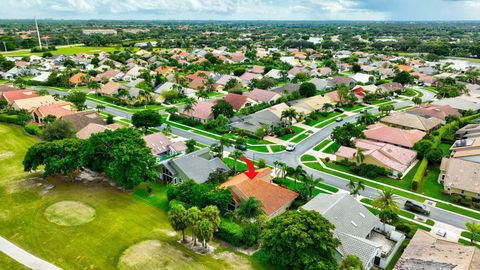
{"x": 237, "y": 262}
{"x": 153, "y": 254}
{"x": 69, "y": 213}
{"x": 6, "y": 154}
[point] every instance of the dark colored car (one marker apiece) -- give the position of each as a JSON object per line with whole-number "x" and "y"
{"x": 417, "y": 208}
{"x": 242, "y": 147}
{"x": 340, "y": 110}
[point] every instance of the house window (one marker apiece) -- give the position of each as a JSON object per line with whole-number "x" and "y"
{"x": 463, "y": 191}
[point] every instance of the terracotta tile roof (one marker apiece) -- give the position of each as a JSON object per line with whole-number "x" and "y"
{"x": 404, "y": 68}
{"x": 201, "y": 110}
{"x": 273, "y": 197}
{"x": 32, "y": 103}
{"x": 396, "y": 136}
{"x": 111, "y": 88}
{"x": 437, "y": 111}
{"x": 261, "y": 95}
{"x": 237, "y": 101}
{"x": 93, "y": 128}
{"x": 197, "y": 82}
{"x": 11, "y": 96}
{"x": 77, "y": 78}
{"x": 108, "y": 74}
{"x": 57, "y": 110}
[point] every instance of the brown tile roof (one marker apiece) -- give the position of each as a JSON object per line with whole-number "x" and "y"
{"x": 412, "y": 121}
{"x": 57, "y": 110}
{"x": 111, "y": 88}
{"x": 237, "y": 101}
{"x": 201, "y": 110}
{"x": 437, "y": 111}
{"x": 261, "y": 95}
{"x": 81, "y": 119}
{"x": 273, "y": 197}
{"x": 396, "y": 136}
{"x": 93, "y": 128}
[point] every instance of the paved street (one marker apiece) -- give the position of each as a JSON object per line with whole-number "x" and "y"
{"x": 293, "y": 158}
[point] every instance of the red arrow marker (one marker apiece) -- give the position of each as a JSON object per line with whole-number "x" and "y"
{"x": 251, "y": 173}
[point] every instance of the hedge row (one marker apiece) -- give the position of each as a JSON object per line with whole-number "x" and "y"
{"x": 230, "y": 232}
{"x": 417, "y": 178}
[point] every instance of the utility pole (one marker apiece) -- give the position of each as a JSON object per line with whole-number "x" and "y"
{"x": 38, "y": 34}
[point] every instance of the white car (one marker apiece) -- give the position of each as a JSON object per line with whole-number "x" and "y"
{"x": 441, "y": 233}
{"x": 291, "y": 147}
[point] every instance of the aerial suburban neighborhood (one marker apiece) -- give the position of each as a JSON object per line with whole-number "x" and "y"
{"x": 227, "y": 139}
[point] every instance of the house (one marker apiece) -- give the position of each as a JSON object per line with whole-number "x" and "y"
{"x": 412, "y": 121}
{"x": 275, "y": 199}
{"x": 459, "y": 104}
{"x": 93, "y": 128}
{"x": 165, "y": 70}
{"x": 342, "y": 80}
{"x": 43, "y": 77}
{"x": 224, "y": 79}
{"x": 405, "y": 68}
{"x": 460, "y": 176}
{"x": 319, "y": 83}
{"x": 162, "y": 147}
{"x": 363, "y": 78}
{"x": 360, "y": 232}
{"x": 286, "y": 88}
{"x": 468, "y": 131}
{"x": 308, "y": 105}
{"x": 239, "y": 101}
{"x": 466, "y": 149}
{"x": 427, "y": 251}
{"x": 133, "y": 73}
{"x": 257, "y": 69}
{"x": 58, "y": 110}
{"x": 12, "y": 96}
{"x": 248, "y": 77}
{"x": 386, "y": 72}
{"x": 270, "y": 117}
{"x": 274, "y": 73}
{"x": 390, "y": 87}
{"x": 393, "y": 158}
{"x": 111, "y": 88}
{"x": 260, "y": 95}
{"x": 78, "y": 78}
{"x": 81, "y": 119}
{"x": 396, "y": 136}
{"x": 111, "y": 74}
{"x": 202, "y": 111}
{"x": 32, "y": 103}
{"x": 196, "y": 166}
{"x": 325, "y": 71}
{"x": 297, "y": 70}
{"x": 439, "y": 112}
{"x": 197, "y": 82}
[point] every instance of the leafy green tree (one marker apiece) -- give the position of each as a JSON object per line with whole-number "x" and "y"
{"x": 351, "y": 262}
{"x": 190, "y": 145}
{"x": 289, "y": 114}
{"x": 78, "y": 99}
{"x": 387, "y": 203}
{"x": 403, "y": 77}
{"x": 189, "y": 104}
{"x": 146, "y": 119}
{"x": 123, "y": 155}
{"x": 366, "y": 119}
{"x": 204, "y": 231}
{"x": 58, "y": 130}
{"x": 178, "y": 219}
{"x": 422, "y": 147}
{"x": 100, "y": 107}
{"x": 110, "y": 119}
{"x": 343, "y": 135}
{"x": 474, "y": 230}
{"x": 212, "y": 214}
{"x": 235, "y": 155}
{"x": 296, "y": 173}
{"x": 250, "y": 208}
{"x": 311, "y": 183}
{"x": 417, "y": 101}
{"x": 300, "y": 240}
{"x": 58, "y": 157}
{"x": 434, "y": 155}
{"x": 307, "y": 89}
{"x": 223, "y": 108}
{"x": 260, "y": 132}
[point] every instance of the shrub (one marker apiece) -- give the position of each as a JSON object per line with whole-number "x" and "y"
{"x": 251, "y": 234}
{"x": 230, "y": 232}
{"x": 261, "y": 163}
{"x": 417, "y": 178}
{"x": 408, "y": 229}
{"x": 32, "y": 129}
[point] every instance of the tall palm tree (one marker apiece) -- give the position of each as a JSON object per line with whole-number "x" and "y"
{"x": 235, "y": 155}
{"x": 474, "y": 229}
{"x": 387, "y": 203}
{"x": 289, "y": 114}
{"x": 296, "y": 173}
{"x": 366, "y": 119}
{"x": 250, "y": 208}
{"x": 359, "y": 156}
{"x": 202, "y": 93}
{"x": 327, "y": 107}
{"x": 224, "y": 142}
{"x": 352, "y": 185}
{"x": 189, "y": 103}
{"x": 311, "y": 183}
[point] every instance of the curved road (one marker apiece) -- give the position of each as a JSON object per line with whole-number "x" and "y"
{"x": 292, "y": 159}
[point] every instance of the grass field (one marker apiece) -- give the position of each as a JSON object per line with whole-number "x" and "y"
{"x": 66, "y": 51}
{"x": 297, "y": 130}
{"x": 122, "y": 220}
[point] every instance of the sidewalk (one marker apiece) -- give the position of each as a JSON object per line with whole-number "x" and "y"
{"x": 24, "y": 257}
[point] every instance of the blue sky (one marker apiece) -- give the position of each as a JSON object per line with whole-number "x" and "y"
{"x": 244, "y": 9}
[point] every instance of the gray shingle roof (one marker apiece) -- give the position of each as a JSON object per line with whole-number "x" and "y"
{"x": 198, "y": 165}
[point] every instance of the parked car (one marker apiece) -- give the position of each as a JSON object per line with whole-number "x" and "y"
{"x": 291, "y": 147}
{"x": 340, "y": 110}
{"x": 363, "y": 110}
{"x": 390, "y": 98}
{"x": 368, "y": 102}
{"x": 417, "y": 208}
{"x": 339, "y": 119}
{"x": 242, "y": 147}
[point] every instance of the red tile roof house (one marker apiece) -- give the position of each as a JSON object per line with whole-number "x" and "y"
{"x": 162, "y": 146}
{"x": 396, "y": 136}
{"x": 239, "y": 101}
{"x": 202, "y": 111}
{"x": 57, "y": 110}
{"x": 11, "y": 96}
{"x": 275, "y": 199}
{"x": 257, "y": 69}
{"x": 93, "y": 128}
{"x": 388, "y": 156}
{"x": 247, "y": 77}
{"x": 438, "y": 111}
{"x": 260, "y": 95}
{"x": 197, "y": 83}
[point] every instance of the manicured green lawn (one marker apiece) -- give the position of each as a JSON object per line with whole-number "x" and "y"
{"x": 332, "y": 148}
{"x": 446, "y": 149}
{"x": 307, "y": 158}
{"x": 321, "y": 118}
{"x": 67, "y": 51}
{"x": 321, "y": 145}
{"x": 297, "y": 130}
{"x": 259, "y": 148}
{"x": 277, "y": 148}
{"x": 355, "y": 107}
{"x": 257, "y": 141}
{"x": 9, "y": 263}
{"x": 122, "y": 219}
{"x": 301, "y": 137}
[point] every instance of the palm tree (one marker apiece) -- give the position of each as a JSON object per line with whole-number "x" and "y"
{"x": 366, "y": 119}
{"x": 327, "y": 107}
{"x": 100, "y": 107}
{"x": 351, "y": 185}
{"x": 289, "y": 114}
{"x": 474, "y": 229}
{"x": 296, "y": 173}
{"x": 250, "y": 208}
{"x": 202, "y": 93}
{"x": 387, "y": 203}
{"x": 359, "y": 156}
{"x": 235, "y": 155}
{"x": 311, "y": 183}
{"x": 189, "y": 103}
{"x": 194, "y": 215}
{"x": 224, "y": 142}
